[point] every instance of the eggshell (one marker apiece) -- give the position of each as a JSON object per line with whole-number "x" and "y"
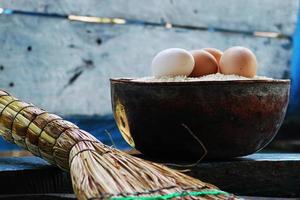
{"x": 205, "y": 63}
{"x": 215, "y": 52}
{"x": 238, "y": 60}
{"x": 172, "y": 62}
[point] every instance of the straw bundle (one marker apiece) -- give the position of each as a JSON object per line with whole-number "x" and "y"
{"x": 97, "y": 171}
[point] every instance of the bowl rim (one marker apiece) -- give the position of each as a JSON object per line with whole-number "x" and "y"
{"x": 129, "y": 81}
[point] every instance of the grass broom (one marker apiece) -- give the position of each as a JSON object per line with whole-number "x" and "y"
{"x": 97, "y": 171}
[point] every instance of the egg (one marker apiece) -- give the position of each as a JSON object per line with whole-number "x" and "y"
{"x": 215, "y": 52}
{"x": 205, "y": 63}
{"x": 239, "y": 61}
{"x": 172, "y": 62}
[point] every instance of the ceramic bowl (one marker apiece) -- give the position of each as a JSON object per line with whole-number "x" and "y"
{"x": 179, "y": 119}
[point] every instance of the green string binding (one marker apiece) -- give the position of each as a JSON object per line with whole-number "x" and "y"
{"x": 174, "y": 195}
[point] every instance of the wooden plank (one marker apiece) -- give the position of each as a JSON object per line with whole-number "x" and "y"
{"x": 39, "y": 197}
{"x": 273, "y": 175}
{"x": 14, "y": 153}
{"x": 65, "y": 67}
{"x": 261, "y": 15}
{"x": 32, "y": 175}
{"x": 269, "y": 175}
{"x": 260, "y": 174}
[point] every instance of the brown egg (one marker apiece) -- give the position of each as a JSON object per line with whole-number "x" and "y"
{"x": 215, "y": 52}
{"x": 205, "y": 63}
{"x": 238, "y": 60}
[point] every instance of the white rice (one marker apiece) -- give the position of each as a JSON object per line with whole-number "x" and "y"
{"x": 210, "y": 77}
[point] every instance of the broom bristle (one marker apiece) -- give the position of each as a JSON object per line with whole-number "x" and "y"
{"x": 97, "y": 171}
{"x": 99, "y": 168}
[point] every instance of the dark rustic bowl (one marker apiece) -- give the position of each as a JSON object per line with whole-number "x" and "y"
{"x": 231, "y": 118}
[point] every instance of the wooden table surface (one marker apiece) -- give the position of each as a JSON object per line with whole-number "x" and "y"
{"x": 259, "y": 175}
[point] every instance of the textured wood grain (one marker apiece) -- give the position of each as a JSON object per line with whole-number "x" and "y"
{"x": 262, "y": 15}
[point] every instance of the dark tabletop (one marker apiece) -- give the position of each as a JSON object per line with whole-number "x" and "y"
{"x": 262, "y": 174}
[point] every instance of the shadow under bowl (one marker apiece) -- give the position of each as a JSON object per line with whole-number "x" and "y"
{"x": 230, "y": 118}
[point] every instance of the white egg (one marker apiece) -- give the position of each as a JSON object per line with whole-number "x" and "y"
{"x": 173, "y": 62}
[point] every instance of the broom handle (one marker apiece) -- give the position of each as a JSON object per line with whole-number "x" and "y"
{"x": 43, "y": 134}
{"x": 96, "y": 170}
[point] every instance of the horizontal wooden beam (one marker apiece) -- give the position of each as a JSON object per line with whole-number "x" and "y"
{"x": 254, "y": 15}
